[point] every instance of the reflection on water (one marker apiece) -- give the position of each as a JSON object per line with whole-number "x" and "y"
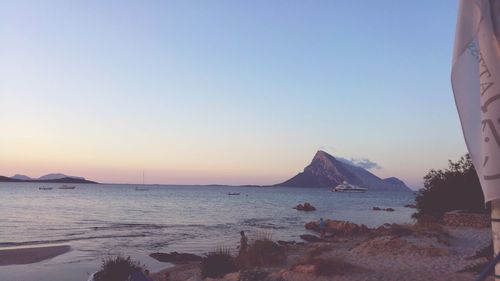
{"x": 99, "y": 220}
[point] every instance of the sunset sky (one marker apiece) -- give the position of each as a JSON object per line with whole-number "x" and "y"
{"x": 230, "y": 92}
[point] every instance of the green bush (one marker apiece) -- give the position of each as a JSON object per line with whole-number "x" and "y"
{"x": 217, "y": 264}
{"x": 455, "y": 188}
{"x": 117, "y": 269}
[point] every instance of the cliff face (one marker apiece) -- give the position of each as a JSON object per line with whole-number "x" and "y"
{"x": 326, "y": 171}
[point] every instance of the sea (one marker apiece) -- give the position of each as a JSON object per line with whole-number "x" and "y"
{"x": 100, "y": 221}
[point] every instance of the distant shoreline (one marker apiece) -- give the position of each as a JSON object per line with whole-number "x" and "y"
{"x": 61, "y": 180}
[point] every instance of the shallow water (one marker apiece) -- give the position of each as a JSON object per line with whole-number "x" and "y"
{"x": 103, "y": 220}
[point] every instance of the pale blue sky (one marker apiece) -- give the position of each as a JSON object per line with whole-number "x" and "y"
{"x": 230, "y": 92}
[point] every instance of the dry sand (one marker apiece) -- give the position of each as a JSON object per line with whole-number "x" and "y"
{"x": 16, "y": 256}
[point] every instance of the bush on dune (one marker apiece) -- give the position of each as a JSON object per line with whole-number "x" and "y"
{"x": 117, "y": 269}
{"x": 217, "y": 264}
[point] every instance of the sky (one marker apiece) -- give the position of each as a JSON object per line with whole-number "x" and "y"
{"x": 228, "y": 92}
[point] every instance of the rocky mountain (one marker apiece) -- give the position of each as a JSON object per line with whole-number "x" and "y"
{"x": 54, "y": 178}
{"x": 21, "y": 177}
{"x": 7, "y": 179}
{"x": 327, "y": 171}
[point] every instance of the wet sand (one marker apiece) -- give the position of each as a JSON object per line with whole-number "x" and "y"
{"x": 18, "y": 256}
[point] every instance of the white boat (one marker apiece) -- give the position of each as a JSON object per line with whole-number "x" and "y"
{"x": 347, "y": 187}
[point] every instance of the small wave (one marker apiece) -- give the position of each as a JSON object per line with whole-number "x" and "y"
{"x": 262, "y": 223}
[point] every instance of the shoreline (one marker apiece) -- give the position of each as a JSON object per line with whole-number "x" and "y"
{"x": 30, "y": 255}
{"x": 436, "y": 253}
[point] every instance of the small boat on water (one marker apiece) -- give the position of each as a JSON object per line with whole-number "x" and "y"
{"x": 67, "y": 187}
{"x": 347, "y": 187}
{"x": 141, "y": 189}
{"x": 233, "y": 193}
{"x": 45, "y": 188}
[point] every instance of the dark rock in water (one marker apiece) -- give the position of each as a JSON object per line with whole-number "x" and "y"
{"x": 175, "y": 257}
{"x": 339, "y": 227}
{"x": 306, "y": 207}
{"x": 286, "y": 243}
{"x": 413, "y": 206}
{"x": 382, "y": 209}
{"x": 311, "y": 238}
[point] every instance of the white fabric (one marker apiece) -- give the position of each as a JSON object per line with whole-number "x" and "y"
{"x": 475, "y": 79}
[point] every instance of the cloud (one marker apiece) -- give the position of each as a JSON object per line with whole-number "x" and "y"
{"x": 364, "y": 163}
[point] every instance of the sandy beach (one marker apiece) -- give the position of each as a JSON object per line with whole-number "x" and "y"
{"x": 30, "y": 255}
{"x": 422, "y": 255}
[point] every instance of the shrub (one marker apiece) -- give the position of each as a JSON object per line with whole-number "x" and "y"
{"x": 217, "y": 264}
{"x": 264, "y": 253}
{"x": 117, "y": 269}
{"x": 456, "y": 188}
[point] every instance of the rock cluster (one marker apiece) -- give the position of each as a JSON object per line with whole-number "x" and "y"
{"x": 339, "y": 227}
{"x": 382, "y": 209}
{"x": 174, "y": 257}
{"x": 306, "y": 207}
{"x": 311, "y": 238}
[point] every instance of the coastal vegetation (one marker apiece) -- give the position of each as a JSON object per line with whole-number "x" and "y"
{"x": 264, "y": 252}
{"x": 454, "y": 188}
{"x": 117, "y": 269}
{"x": 218, "y": 263}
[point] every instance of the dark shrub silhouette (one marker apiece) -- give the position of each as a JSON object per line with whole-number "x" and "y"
{"x": 264, "y": 252}
{"x": 117, "y": 269}
{"x": 217, "y": 264}
{"x": 455, "y": 188}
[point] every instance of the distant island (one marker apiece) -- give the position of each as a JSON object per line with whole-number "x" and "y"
{"x": 328, "y": 171}
{"x": 49, "y": 178}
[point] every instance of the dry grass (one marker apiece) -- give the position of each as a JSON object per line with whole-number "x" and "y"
{"x": 263, "y": 252}
{"x": 331, "y": 266}
{"x": 218, "y": 263}
{"x": 320, "y": 249}
{"x": 117, "y": 269}
{"x": 323, "y": 266}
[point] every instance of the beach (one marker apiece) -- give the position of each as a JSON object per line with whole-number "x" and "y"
{"x": 375, "y": 258}
{"x": 372, "y": 257}
{"x": 90, "y": 219}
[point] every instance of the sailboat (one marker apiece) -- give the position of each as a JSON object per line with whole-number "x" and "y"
{"x": 142, "y": 188}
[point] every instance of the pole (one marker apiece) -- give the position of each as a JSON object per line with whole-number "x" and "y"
{"x": 495, "y": 231}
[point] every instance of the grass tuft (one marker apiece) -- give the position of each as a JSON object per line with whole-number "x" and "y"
{"x": 117, "y": 269}
{"x": 217, "y": 264}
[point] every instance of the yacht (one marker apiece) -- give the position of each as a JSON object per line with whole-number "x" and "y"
{"x": 347, "y": 187}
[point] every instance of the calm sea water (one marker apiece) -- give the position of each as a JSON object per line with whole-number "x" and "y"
{"x": 103, "y": 220}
